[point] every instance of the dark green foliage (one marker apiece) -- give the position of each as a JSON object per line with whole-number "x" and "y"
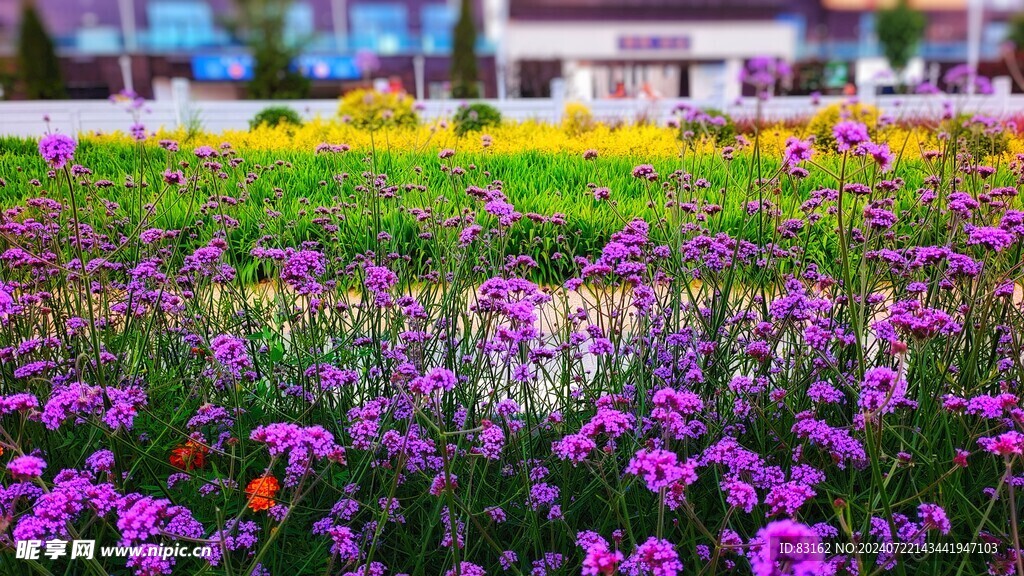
{"x": 475, "y": 117}
{"x": 464, "y": 77}
{"x": 261, "y": 24}
{"x": 274, "y": 115}
{"x": 38, "y": 66}
{"x": 899, "y": 30}
{"x": 1015, "y": 33}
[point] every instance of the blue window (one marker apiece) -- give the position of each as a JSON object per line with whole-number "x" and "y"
{"x": 98, "y": 40}
{"x": 298, "y": 23}
{"x": 383, "y": 28}
{"x": 438, "y": 21}
{"x": 180, "y": 24}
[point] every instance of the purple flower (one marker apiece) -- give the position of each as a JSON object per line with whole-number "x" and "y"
{"x": 797, "y": 151}
{"x": 142, "y": 517}
{"x": 146, "y": 560}
{"x": 574, "y": 448}
{"x": 600, "y": 561}
{"x": 1006, "y": 444}
{"x": 101, "y": 461}
{"x": 231, "y": 353}
{"x": 653, "y": 558}
{"x": 739, "y": 494}
{"x": 764, "y": 71}
{"x": 882, "y": 391}
{"x": 331, "y": 377}
{"x": 20, "y": 402}
{"x": 881, "y": 154}
{"x": 788, "y": 497}
{"x": 996, "y": 239}
{"x": 772, "y": 559}
{"x": 850, "y": 134}
{"x": 933, "y": 517}
{"x": 26, "y": 467}
{"x": 205, "y": 152}
{"x": 645, "y": 172}
{"x": 659, "y": 468}
{"x": 491, "y": 439}
{"x": 467, "y": 569}
{"x": 57, "y": 149}
{"x": 438, "y": 379}
{"x": 301, "y": 445}
{"x": 379, "y": 281}
{"x": 838, "y": 442}
{"x": 302, "y": 269}
{"x": 7, "y": 305}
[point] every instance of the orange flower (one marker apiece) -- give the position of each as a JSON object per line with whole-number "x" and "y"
{"x": 261, "y": 492}
{"x": 189, "y": 456}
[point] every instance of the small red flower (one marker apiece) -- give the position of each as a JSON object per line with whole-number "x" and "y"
{"x": 261, "y": 492}
{"x": 189, "y": 456}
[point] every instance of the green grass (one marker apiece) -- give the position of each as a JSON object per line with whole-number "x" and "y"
{"x": 534, "y": 182}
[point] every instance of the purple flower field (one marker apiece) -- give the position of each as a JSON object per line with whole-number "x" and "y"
{"x": 802, "y": 365}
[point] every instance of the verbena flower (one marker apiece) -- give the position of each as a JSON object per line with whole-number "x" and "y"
{"x": 57, "y": 149}
{"x": 773, "y": 559}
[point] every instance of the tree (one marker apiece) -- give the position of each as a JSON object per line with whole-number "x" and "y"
{"x": 261, "y": 25}
{"x": 900, "y": 29}
{"x": 1015, "y": 34}
{"x": 38, "y": 67}
{"x": 464, "y": 54}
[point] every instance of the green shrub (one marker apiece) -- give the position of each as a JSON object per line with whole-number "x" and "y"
{"x": 475, "y": 117}
{"x": 275, "y": 115}
{"x": 577, "y": 119}
{"x": 372, "y": 109}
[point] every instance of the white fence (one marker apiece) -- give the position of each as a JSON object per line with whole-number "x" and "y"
{"x": 78, "y": 116}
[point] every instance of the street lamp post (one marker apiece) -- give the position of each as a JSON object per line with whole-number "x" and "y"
{"x": 974, "y": 23}
{"x": 129, "y": 44}
{"x": 339, "y": 17}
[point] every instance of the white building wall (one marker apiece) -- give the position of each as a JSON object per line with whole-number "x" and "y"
{"x": 600, "y": 40}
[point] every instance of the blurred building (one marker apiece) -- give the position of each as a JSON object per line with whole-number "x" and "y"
{"x": 603, "y": 48}
{"x": 696, "y": 48}
{"x": 192, "y": 39}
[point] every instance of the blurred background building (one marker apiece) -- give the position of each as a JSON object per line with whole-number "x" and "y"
{"x": 602, "y": 48}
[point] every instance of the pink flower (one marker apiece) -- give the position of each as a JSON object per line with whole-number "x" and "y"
{"x": 600, "y": 562}
{"x": 849, "y": 135}
{"x": 655, "y": 557}
{"x": 797, "y": 151}
{"x": 933, "y": 517}
{"x": 57, "y": 149}
{"x": 1005, "y": 444}
{"x": 805, "y": 561}
{"x": 25, "y": 467}
{"x": 659, "y": 468}
{"x": 437, "y": 379}
{"x": 574, "y": 448}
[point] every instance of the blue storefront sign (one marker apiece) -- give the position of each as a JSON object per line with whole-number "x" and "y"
{"x": 240, "y": 67}
{"x": 328, "y": 67}
{"x": 654, "y": 42}
{"x": 212, "y": 68}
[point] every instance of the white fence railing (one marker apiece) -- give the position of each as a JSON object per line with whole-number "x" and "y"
{"x": 78, "y": 116}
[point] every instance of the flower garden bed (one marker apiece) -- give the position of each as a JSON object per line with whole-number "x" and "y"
{"x": 744, "y": 357}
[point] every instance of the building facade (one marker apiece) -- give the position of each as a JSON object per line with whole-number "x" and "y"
{"x": 104, "y": 44}
{"x": 602, "y": 48}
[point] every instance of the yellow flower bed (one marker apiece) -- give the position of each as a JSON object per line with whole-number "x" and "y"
{"x": 632, "y": 140}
